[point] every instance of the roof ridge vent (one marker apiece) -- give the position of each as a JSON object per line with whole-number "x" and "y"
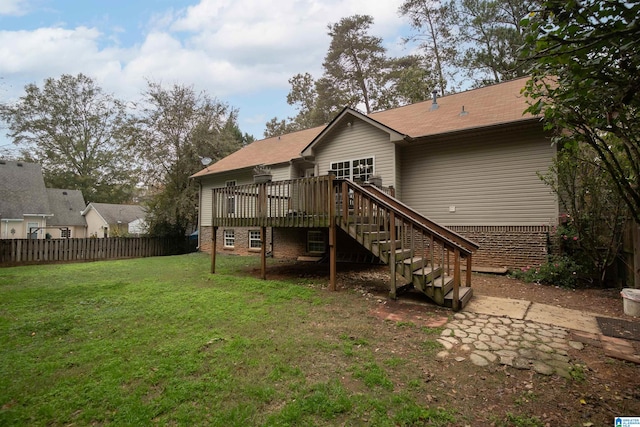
{"x": 434, "y": 104}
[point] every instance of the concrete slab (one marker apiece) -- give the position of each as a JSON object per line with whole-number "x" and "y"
{"x": 563, "y": 317}
{"x": 505, "y": 307}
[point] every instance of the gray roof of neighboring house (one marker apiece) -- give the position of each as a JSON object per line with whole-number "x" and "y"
{"x": 66, "y": 207}
{"x": 114, "y": 213}
{"x": 22, "y": 190}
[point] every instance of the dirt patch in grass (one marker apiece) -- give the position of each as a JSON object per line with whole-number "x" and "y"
{"x": 600, "y": 388}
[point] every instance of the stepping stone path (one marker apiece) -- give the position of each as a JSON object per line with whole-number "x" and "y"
{"x": 517, "y": 343}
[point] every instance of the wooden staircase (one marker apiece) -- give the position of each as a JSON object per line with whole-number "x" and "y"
{"x": 427, "y": 255}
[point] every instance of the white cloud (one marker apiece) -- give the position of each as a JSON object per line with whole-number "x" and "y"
{"x": 231, "y": 48}
{"x": 14, "y": 7}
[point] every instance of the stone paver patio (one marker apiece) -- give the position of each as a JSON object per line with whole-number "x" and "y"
{"x": 518, "y": 343}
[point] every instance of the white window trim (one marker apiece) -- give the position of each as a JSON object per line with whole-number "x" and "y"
{"x": 350, "y": 161}
{"x": 253, "y": 240}
{"x": 229, "y": 235}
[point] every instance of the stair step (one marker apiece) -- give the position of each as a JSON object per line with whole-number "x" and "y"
{"x": 402, "y": 254}
{"x": 427, "y": 274}
{"x": 385, "y": 245}
{"x": 464, "y": 295}
{"x": 374, "y": 236}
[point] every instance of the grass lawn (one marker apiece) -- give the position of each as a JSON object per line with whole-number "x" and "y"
{"x": 159, "y": 341}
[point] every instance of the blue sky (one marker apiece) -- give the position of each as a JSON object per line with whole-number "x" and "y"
{"x": 239, "y": 51}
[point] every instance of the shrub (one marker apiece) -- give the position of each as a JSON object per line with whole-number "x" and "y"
{"x": 560, "y": 271}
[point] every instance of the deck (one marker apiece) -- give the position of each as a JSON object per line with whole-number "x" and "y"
{"x": 428, "y": 255}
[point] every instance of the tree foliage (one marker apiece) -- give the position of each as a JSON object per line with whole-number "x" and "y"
{"x": 355, "y": 60}
{"x": 585, "y": 66}
{"x": 358, "y": 74}
{"x": 490, "y": 37}
{"x": 78, "y": 134}
{"x": 176, "y": 128}
{"x": 594, "y": 214}
{"x": 430, "y": 18}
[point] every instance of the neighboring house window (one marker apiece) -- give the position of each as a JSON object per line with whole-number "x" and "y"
{"x": 32, "y": 231}
{"x": 231, "y": 200}
{"x": 229, "y": 238}
{"x": 360, "y": 169}
{"x": 65, "y": 233}
{"x": 315, "y": 242}
{"x": 254, "y": 239}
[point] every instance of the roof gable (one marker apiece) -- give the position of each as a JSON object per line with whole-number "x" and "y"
{"x": 112, "y": 213}
{"x": 349, "y": 114}
{"x": 66, "y": 207}
{"x": 22, "y": 190}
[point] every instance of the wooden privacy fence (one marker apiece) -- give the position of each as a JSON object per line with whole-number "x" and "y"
{"x": 34, "y": 251}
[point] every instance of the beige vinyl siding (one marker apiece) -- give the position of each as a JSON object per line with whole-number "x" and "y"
{"x": 491, "y": 180}
{"x": 281, "y": 172}
{"x": 245, "y": 176}
{"x": 219, "y": 180}
{"x": 358, "y": 141}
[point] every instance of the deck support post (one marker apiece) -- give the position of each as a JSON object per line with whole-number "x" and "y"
{"x": 392, "y": 254}
{"x": 213, "y": 249}
{"x": 456, "y": 280}
{"x": 468, "y": 278}
{"x": 263, "y": 253}
{"x": 332, "y": 236}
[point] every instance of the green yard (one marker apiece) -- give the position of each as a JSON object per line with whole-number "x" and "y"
{"x": 161, "y": 341}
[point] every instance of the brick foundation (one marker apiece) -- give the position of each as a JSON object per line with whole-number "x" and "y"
{"x": 500, "y": 246}
{"x": 241, "y": 244}
{"x": 507, "y": 246}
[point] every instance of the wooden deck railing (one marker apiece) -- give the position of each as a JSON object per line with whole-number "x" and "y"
{"x": 410, "y": 235}
{"x": 300, "y": 202}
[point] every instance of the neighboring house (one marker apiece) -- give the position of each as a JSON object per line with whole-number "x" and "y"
{"x": 30, "y": 210}
{"x": 468, "y": 161}
{"x": 67, "y": 220}
{"x": 111, "y": 220}
{"x": 24, "y": 206}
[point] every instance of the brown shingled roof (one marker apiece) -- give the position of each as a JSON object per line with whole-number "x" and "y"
{"x": 487, "y": 106}
{"x": 268, "y": 151}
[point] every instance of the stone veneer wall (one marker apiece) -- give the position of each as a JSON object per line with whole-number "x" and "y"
{"x": 508, "y": 246}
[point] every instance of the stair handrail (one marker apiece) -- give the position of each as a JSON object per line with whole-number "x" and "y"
{"x": 417, "y": 216}
{"x": 379, "y": 200}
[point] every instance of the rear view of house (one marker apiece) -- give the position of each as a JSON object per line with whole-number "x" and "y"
{"x": 459, "y": 173}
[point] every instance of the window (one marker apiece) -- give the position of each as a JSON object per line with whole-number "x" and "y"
{"x": 231, "y": 200}
{"x": 360, "y": 169}
{"x": 229, "y": 238}
{"x": 315, "y": 242}
{"x": 254, "y": 239}
{"x": 65, "y": 233}
{"x": 32, "y": 230}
